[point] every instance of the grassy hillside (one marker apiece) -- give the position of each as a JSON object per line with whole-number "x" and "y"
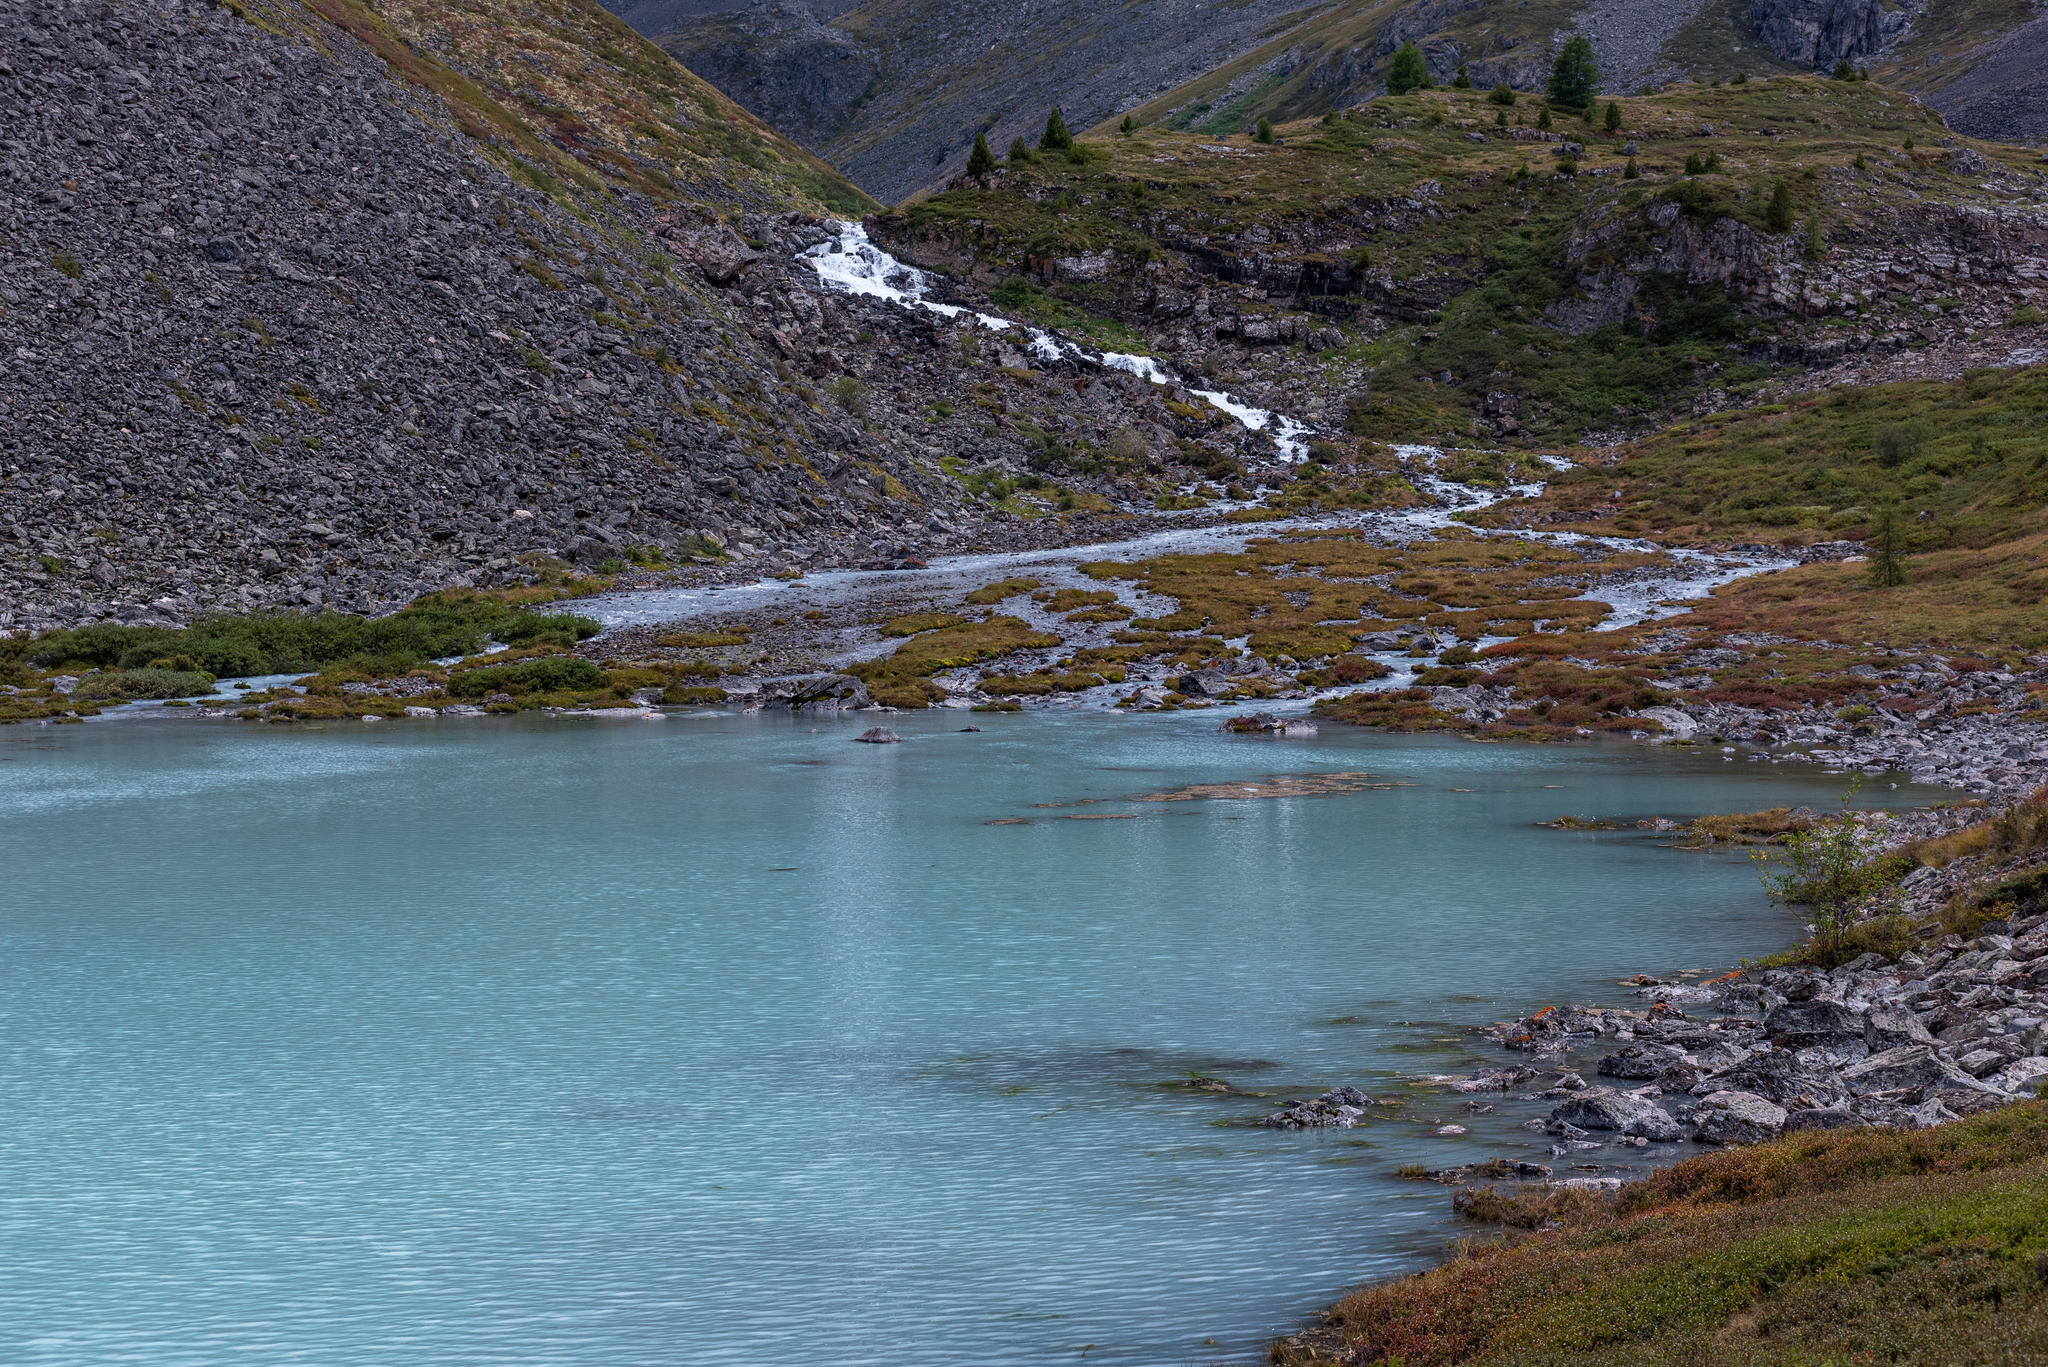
{"x": 1438, "y": 226}
{"x": 574, "y": 99}
{"x": 1926, "y": 1247}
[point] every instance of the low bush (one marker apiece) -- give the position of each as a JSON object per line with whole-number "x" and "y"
{"x": 129, "y": 685}
{"x": 543, "y": 674}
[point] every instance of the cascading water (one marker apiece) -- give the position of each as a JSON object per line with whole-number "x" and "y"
{"x": 852, "y": 264}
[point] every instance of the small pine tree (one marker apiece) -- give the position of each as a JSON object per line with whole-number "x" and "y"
{"x": 1461, "y": 81}
{"x": 1629, "y": 171}
{"x": 980, "y": 161}
{"x": 1543, "y": 119}
{"x": 1741, "y": 78}
{"x": 1575, "y": 75}
{"x": 1567, "y": 165}
{"x": 1693, "y": 165}
{"x": 1861, "y": 164}
{"x": 1816, "y": 238}
{"x": 1056, "y": 138}
{"x": 1909, "y": 144}
{"x": 1500, "y": 118}
{"x": 1265, "y": 132}
{"x": 1778, "y": 217}
{"x": 1612, "y": 123}
{"x": 1502, "y": 94}
{"x": 1330, "y": 117}
{"x": 1887, "y": 547}
{"x": 1020, "y": 152}
{"x": 1128, "y": 126}
{"x": 1407, "y": 71}
{"x": 1862, "y": 73}
{"x": 1843, "y": 71}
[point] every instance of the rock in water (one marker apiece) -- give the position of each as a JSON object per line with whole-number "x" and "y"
{"x": 1604, "y": 1108}
{"x": 878, "y": 735}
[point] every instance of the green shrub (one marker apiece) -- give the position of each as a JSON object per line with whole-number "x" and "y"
{"x": 131, "y": 684}
{"x": 544, "y": 674}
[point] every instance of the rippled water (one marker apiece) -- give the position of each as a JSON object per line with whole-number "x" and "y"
{"x": 721, "y": 1040}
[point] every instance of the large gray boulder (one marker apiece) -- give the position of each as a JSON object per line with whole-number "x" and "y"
{"x": 1910, "y": 1067}
{"x": 1822, "y": 1118}
{"x": 1776, "y": 1077}
{"x": 1604, "y": 1108}
{"x": 1818, "y": 1024}
{"x": 1738, "y": 1118}
{"x": 1888, "y": 1029}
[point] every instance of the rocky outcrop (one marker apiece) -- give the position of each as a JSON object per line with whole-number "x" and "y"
{"x": 1819, "y": 33}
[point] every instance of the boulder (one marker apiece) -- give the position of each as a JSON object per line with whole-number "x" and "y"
{"x": 1640, "y": 1061}
{"x": 1888, "y": 1029}
{"x": 1738, "y": 1118}
{"x": 2024, "y": 1077}
{"x": 878, "y": 735}
{"x": 1822, "y": 1118}
{"x": 1604, "y": 1108}
{"x": 1813, "y": 1024}
{"x": 1910, "y": 1067}
{"x": 1777, "y": 1077}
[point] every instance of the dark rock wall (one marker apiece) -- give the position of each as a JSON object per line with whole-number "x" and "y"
{"x": 1819, "y": 33}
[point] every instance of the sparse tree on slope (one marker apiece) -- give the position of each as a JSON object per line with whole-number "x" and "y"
{"x": 1575, "y": 76}
{"x": 980, "y": 161}
{"x": 1056, "y": 137}
{"x": 1407, "y": 71}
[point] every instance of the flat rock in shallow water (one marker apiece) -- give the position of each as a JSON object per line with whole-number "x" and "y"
{"x": 878, "y": 735}
{"x": 1603, "y": 1108}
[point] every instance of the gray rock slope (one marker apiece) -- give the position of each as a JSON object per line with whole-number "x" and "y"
{"x": 275, "y": 332}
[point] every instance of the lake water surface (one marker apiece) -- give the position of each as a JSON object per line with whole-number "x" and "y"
{"x": 720, "y": 1040}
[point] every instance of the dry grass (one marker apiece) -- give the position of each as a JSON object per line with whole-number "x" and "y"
{"x": 1864, "y": 1246}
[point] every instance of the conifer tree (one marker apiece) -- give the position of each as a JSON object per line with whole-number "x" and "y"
{"x": 1265, "y": 132}
{"x": 1407, "y": 71}
{"x": 1020, "y": 152}
{"x": 1543, "y": 119}
{"x": 1128, "y": 126}
{"x": 1887, "y": 546}
{"x": 1629, "y": 171}
{"x": 1843, "y": 71}
{"x": 980, "y": 161}
{"x": 1461, "y": 81}
{"x": 1612, "y": 123}
{"x": 1502, "y": 94}
{"x": 1778, "y": 217}
{"x": 1056, "y": 138}
{"x": 1575, "y": 75}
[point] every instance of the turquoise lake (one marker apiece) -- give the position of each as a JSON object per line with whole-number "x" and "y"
{"x": 722, "y": 1040}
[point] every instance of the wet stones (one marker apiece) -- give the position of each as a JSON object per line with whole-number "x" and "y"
{"x": 1338, "y": 1108}
{"x": 878, "y": 735}
{"x": 1604, "y": 1108}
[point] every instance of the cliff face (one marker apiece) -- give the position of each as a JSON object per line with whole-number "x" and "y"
{"x": 1819, "y": 33}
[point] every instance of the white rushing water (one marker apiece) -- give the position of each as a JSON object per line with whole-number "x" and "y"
{"x": 852, "y": 264}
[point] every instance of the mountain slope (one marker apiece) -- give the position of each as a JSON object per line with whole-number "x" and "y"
{"x": 300, "y": 303}
{"x": 893, "y": 91}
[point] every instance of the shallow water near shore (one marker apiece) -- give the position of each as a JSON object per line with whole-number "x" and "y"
{"x": 723, "y": 1040}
